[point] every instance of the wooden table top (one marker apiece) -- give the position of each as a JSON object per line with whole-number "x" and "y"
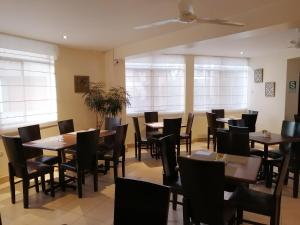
{"x": 159, "y": 125}
{"x": 237, "y": 168}
{"x": 272, "y": 140}
{"x": 60, "y": 142}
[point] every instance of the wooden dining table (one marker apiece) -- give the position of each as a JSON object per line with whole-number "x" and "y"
{"x": 237, "y": 168}
{"x": 60, "y": 142}
{"x": 159, "y": 125}
{"x": 273, "y": 139}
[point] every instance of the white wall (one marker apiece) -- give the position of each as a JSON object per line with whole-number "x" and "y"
{"x": 271, "y": 109}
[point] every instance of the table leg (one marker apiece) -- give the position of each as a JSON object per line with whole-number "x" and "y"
{"x": 268, "y": 176}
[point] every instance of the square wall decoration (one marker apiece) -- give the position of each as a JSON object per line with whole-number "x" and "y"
{"x": 258, "y": 75}
{"x": 81, "y": 83}
{"x": 270, "y": 89}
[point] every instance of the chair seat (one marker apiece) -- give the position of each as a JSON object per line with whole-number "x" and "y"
{"x": 71, "y": 165}
{"x": 154, "y": 134}
{"x": 46, "y": 159}
{"x": 253, "y": 201}
{"x": 35, "y": 168}
{"x": 105, "y": 146}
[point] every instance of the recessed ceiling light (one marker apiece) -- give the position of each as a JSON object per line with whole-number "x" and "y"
{"x": 65, "y": 37}
{"x": 241, "y": 53}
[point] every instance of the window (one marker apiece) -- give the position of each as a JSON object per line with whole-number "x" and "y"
{"x": 156, "y": 84}
{"x": 27, "y": 88}
{"x": 220, "y": 82}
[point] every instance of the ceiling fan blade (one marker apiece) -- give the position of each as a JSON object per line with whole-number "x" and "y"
{"x": 158, "y": 23}
{"x": 220, "y": 22}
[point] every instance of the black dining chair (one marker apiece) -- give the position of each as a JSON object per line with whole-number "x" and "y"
{"x": 220, "y": 114}
{"x": 170, "y": 168}
{"x": 203, "y": 197}
{"x": 19, "y": 167}
{"x": 173, "y": 126}
{"x": 32, "y": 133}
{"x": 116, "y": 152}
{"x": 237, "y": 122}
{"x": 139, "y": 141}
{"x": 187, "y": 135}
{"x": 260, "y": 202}
{"x": 65, "y": 126}
{"x": 239, "y": 141}
{"x": 151, "y": 117}
{"x": 297, "y": 118}
{"x": 250, "y": 122}
{"x": 109, "y": 124}
{"x": 211, "y": 128}
{"x": 252, "y": 112}
{"x": 85, "y": 160}
{"x": 140, "y": 202}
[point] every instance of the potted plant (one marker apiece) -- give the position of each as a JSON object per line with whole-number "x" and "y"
{"x": 105, "y": 103}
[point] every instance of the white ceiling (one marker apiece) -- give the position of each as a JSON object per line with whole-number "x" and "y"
{"x": 106, "y": 24}
{"x": 252, "y": 44}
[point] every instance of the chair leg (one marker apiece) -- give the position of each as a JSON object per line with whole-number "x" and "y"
{"x": 25, "y": 193}
{"x": 186, "y": 220}
{"x": 252, "y": 144}
{"x": 79, "y": 183}
{"x": 123, "y": 165}
{"x": 139, "y": 151}
{"x": 174, "y": 196}
{"x": 95, "y": 178}
{"x": 12, "y": 184}
{"x": 214, "y": 142}
{"x": 36, "y": 184}
{"x": 135, "y": 146}
{"x": 296, "y": 183}
{"x": 83, "y": 178}
{"x": 239, "y": 216}
{"x": 107, "y": 165}
{"x": 190, "y": 145}
{"x": 116, "y": 170}
{"x": 43, "y": 183}
{"x": 62, "y": 179}
{"x": 51, "y": 183}
{"x": 208, "y": 137}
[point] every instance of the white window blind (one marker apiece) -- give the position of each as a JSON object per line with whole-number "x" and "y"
{"x": 220, "y": 82}
{"x": 27, "y": 88}
{"x": 156, "y": 83}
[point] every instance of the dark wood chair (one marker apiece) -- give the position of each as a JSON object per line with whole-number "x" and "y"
{"x": 261, "y": 202}
{"x": 109, "y": 124}
{"x": 239, "y": 141}
{"x": 32, "y": 133}
{"x": 252, "y": 112}
{"x": 250, "y": 122}
{"x": 220, "y": 114}
{"x": 151, "y": 117}
{"x": 187, "y": 135}
{"x": 65, "y": 126}
{"x": 139, "y": 141}
{"x": 117, "y": 151}
{"x": 170, "y": 168}
{"x": 211, "y": 128}
{"x": 140, "y": 202}
{"x": 173, "y": 126}
{"x": 19, "y": 167}
{"x": 85, "y": 160}
{"x": 203, "y": 192}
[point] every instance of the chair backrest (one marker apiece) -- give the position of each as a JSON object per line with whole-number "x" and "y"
{"x": 86, "y": 148}
{"x": 281, "y": 177}
{"x": 189, "y": 124}
{"x": 172, "y": 126}
{"x": 30, "y": 133}
{"x": 211, "y": 120}
{"x": 250, "y": 121}
{"x": 119, "y": 140}
{"x": 150, "y": 117}
{"x": 238, "y": 123}
{"x": 140, "y": 202}
{"x": 239, "y": 140}
{"x": 15, "y": 154}
{"x": 295, "y": 153}
{"x": 168, "y": 158}
{"x": 137, "y": 128}
{"x": 203, "y": 189}
{"x": 288, "y": 129}
{"x": 111, "y": 122}
{"x": 219, "y": 112}
{"x": 65, "y": 126}
{"x": 223, "y": 143}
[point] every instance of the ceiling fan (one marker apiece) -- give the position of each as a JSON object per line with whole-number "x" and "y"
{"x": 187, "y": 15}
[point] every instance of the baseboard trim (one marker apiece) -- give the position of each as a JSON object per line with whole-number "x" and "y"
{"x": 4, "y": 179}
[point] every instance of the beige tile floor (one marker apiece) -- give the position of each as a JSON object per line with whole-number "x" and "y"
{"x": 97, "y": 208}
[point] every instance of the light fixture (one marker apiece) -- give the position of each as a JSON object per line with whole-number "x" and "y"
{"x": 241, "y": 53}
{"x": 65, "y": 37}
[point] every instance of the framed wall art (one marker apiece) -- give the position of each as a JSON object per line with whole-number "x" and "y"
{"x": 81, "y": 83}
{"x": 270, "y": 89}
{"x": 258, "y": 75}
